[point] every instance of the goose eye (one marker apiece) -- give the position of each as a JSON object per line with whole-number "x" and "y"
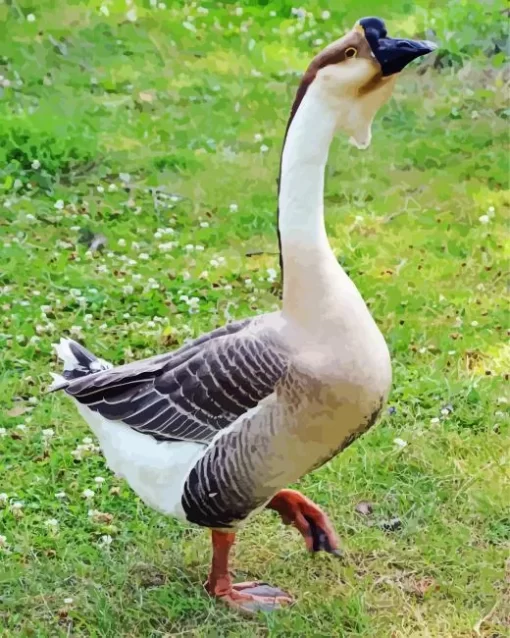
{"x": 351, "y": 52}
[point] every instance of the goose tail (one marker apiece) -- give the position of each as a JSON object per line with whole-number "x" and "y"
{"x": 78, "y": 362}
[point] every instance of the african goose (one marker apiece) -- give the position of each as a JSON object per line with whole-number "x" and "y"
{"x": 213, "y": 432}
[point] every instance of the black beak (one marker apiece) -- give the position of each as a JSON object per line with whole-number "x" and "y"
{"x": 393, "y": 54}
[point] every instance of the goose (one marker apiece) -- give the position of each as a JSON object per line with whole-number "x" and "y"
{"x": 213, "y": 432}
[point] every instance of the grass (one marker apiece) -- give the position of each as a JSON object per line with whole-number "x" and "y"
{"x": 121, "y": 127}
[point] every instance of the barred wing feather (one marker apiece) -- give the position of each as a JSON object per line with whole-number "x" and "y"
{"x": 193, "y": 393}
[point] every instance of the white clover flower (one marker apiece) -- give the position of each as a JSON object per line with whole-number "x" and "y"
{"x": 51, "y": 522}
{"x": 105, "y": 540}
{"x": 99, "y": 480}
{"x": 167, "y": 246}
{"x": 60, "y": 495}
{"x": 233, "y": 207}
{"x": 400, "y": 443}
{"x": 3, "y": 432}
{"x": 434, "y": 420}
{"x": 484, "y": 219}
{"x": 258, "y": 137}
{"x": 299, "y": 13}
{"x": 30, "y": 17}
{"x": 131, "y": 15}
{"x": 48, "y": 433}
{"x": 238, "y": 11}
{"x": 4, "y": 497}
{"x": 204, "y": 224}
{"x": 326, "y": 15}
{"x": 88, "y": 493}
{"x": 271, "y": 274}
{"x": 59, "y": 204}
{"x": 36, "y": 164}
{"x": 68, "y": 601}
{"x": 264, "y": 148}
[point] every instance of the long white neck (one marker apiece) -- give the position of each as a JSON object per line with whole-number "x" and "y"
{"x": 311, "y": 271}
{"x": 301, "y": 206}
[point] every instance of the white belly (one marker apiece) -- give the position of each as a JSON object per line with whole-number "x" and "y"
{"x": 155, "y": 470}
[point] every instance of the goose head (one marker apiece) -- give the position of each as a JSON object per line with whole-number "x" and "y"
{"x": 356, "y": 74}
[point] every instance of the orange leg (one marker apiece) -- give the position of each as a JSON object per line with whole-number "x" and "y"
{"x": 315, "y": 527}
{"x": 245, "y": 597}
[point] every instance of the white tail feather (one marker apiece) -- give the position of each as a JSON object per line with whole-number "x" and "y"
{"x": 58, "y": 382}
{"x": 64, "y": 353}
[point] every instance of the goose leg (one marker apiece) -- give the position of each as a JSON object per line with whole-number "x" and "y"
{"x": 245, "y": 597}
{"x": 313, "y": 524}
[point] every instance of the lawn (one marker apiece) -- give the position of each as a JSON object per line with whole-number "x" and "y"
{"x": 138, "y": 161}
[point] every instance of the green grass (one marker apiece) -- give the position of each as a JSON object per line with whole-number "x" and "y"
{"x": 125, "y": 127}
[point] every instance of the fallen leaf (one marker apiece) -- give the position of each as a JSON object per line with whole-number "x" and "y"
{"x": 422, "y": 586}
{"x": 17, "y": 410}
{"x": 145, "y": 96}
{"x": 364, "y": 508}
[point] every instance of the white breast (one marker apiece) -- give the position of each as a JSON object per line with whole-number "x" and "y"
{"x": 155, "y": 470}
